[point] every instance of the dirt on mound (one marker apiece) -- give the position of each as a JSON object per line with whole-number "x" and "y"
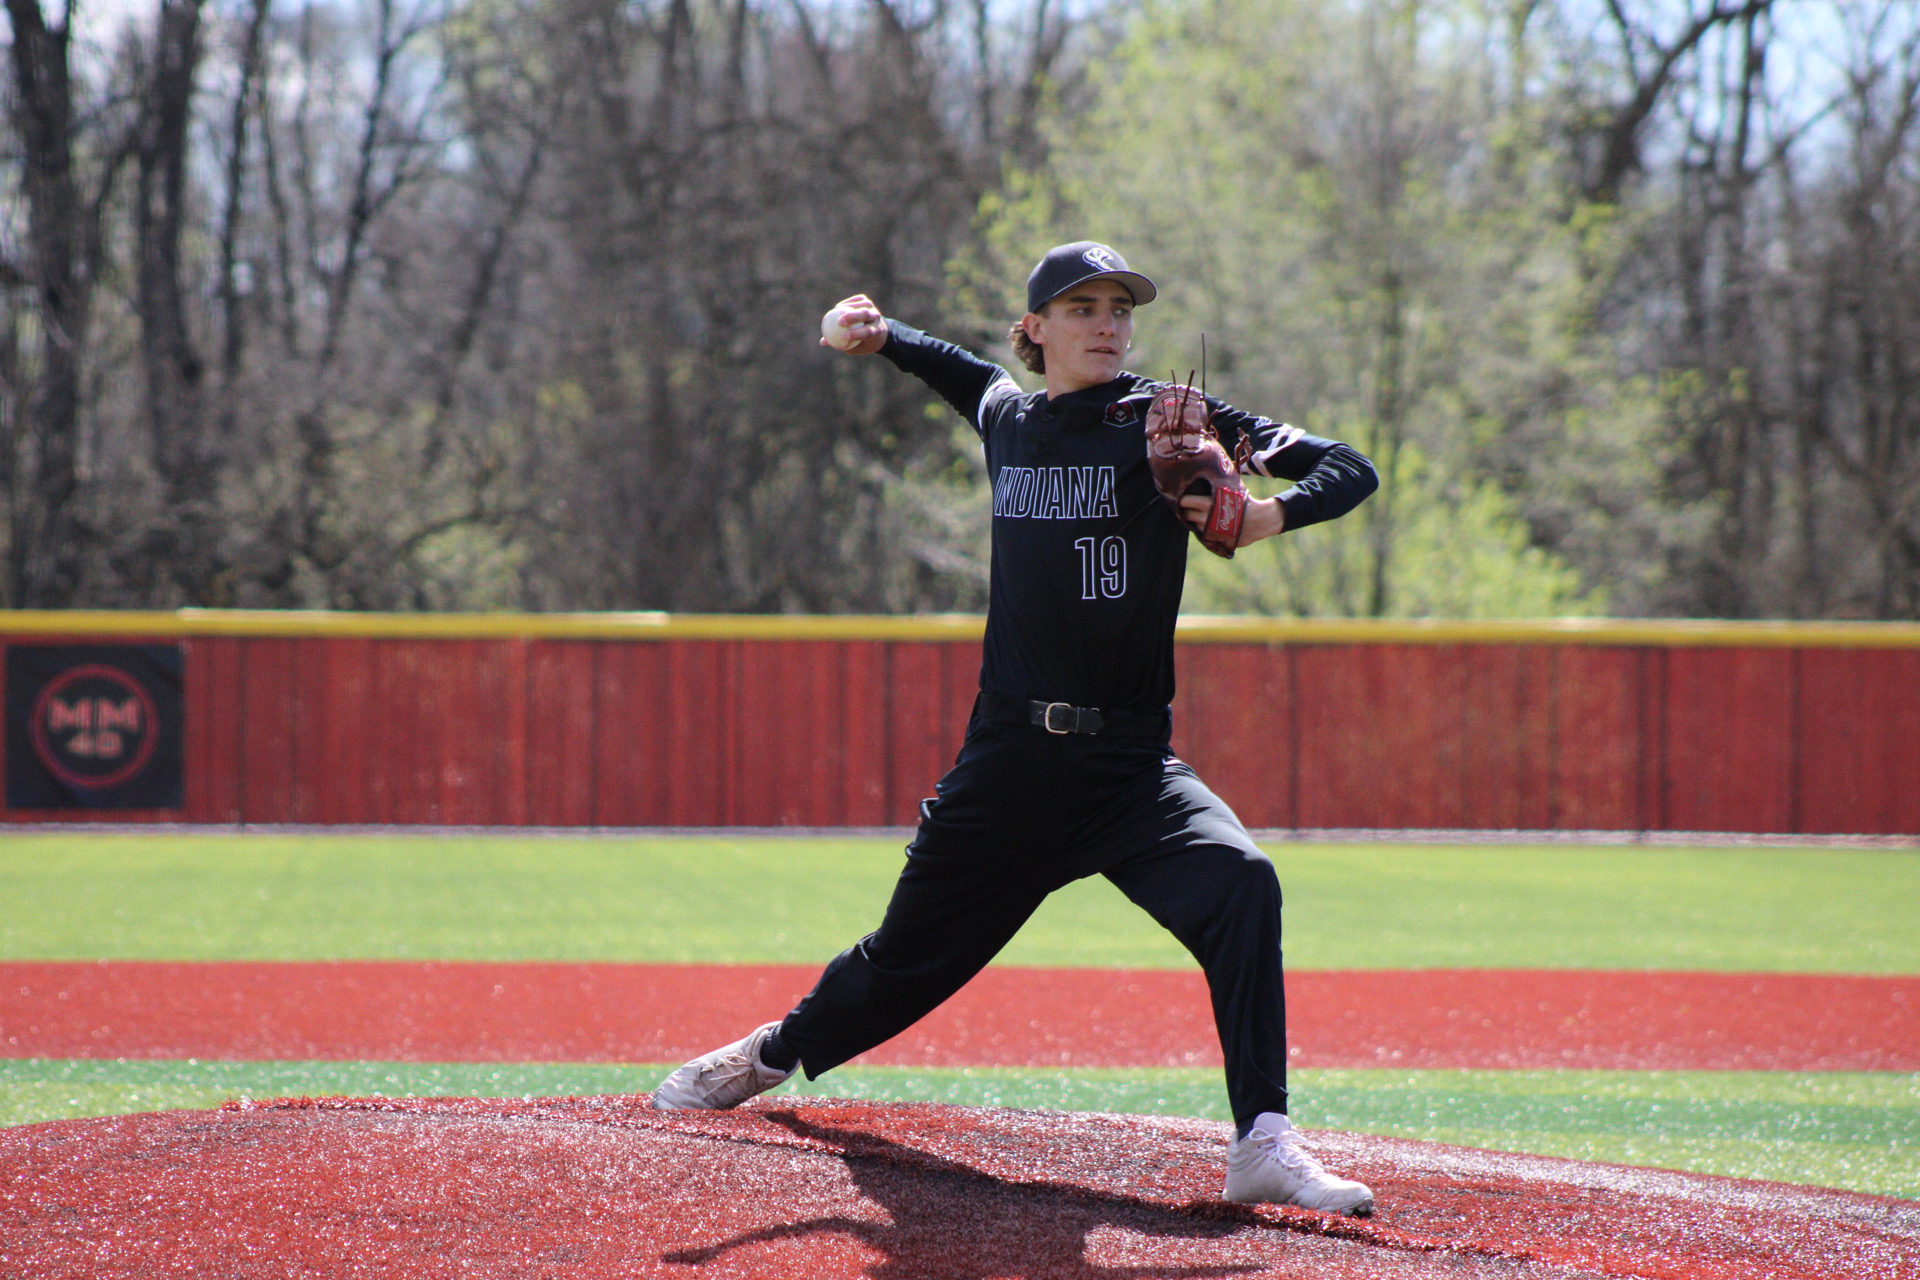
{"x": 604, "y": 1187}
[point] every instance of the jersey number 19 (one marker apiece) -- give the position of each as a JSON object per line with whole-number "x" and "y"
{"x": 1103, "y": 568}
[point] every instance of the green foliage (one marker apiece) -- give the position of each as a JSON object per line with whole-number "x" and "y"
{"x": 486, "y": 563}
{"x": 1469, "y": 558}
{"x": 780, "y": 900}
{"x": 1376, "y": 246}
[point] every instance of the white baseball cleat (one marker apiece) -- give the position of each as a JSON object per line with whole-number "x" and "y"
{"x": 1272, "y": 1166}
{"x": 724, "y": 1078}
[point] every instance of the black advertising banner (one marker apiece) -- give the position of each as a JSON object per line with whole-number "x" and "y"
{"x": 93, "y": 726}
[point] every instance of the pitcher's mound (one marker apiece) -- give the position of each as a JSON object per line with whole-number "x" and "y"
{"x": 814, "y": 1190}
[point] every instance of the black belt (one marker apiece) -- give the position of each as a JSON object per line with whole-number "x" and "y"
{"x": 1065, "y": 718}
{"x": 1058, "y": 717}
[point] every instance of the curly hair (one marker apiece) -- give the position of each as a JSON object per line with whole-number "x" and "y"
{"x": 1031, "y": 353}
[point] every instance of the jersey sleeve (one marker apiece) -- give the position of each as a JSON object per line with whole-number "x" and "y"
{"x": 1330, "y": 478}
{"x": 965, "y": 381}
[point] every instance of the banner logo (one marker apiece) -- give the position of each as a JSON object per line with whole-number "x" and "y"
{"x": 93, "y": 726}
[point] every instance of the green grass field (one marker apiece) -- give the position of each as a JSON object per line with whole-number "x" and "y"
{"x": 799, "y": 900}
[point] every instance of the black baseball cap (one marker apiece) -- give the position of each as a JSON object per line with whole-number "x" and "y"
{"x": 1077, "y": 263}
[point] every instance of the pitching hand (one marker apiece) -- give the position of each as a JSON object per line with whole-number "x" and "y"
{"x": 854, "y": 325}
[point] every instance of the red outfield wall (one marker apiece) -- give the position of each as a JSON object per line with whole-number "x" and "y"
{"x": 649, "y": 720}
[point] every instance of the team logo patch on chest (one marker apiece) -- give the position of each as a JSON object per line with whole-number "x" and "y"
{"x": 1121, "y": 414}
{"x": 1054, "y": 493}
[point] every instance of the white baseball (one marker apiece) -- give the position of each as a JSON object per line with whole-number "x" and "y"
{"x": 837, "y": 335}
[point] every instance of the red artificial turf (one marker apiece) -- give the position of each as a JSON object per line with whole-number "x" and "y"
{"x": 489, "y": 1012}
{"x": 603, "y": 1187}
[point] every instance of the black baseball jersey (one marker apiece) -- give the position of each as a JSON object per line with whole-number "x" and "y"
{"x": 1088, "y": 560}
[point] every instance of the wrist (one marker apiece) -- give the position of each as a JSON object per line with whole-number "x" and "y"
{"x": 1265, "y": 517}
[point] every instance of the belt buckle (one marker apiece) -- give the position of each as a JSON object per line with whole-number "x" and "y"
{"x": 1046, "y": 717}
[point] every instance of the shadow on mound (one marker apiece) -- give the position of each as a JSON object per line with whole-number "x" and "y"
{"x": 945, "y": 1219}
{"x": 821, "y": 1189}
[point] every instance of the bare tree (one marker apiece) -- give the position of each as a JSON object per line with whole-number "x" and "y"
{"x": 1785, "y": 313}
{"x": 236, "y": 175}
{"x": 744, "y": 166}
{"x": 180, "y": 545}
{"x": 438, "y": 305}
{"x": 1650, "y": 58}
{"x": 65, "y": 185}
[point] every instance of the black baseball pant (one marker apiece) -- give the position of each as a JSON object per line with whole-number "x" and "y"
{"x": 1024, "y": 812}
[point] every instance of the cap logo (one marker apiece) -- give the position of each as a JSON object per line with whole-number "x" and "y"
{"x": 1101, "y": 258}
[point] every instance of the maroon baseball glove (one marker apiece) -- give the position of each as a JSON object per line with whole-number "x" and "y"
{"x": 1186, "y": 456}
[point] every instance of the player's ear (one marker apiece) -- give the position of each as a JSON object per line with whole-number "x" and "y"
{"x": 1034, "y": 325}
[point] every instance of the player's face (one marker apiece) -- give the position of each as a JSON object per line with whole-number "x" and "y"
{"x": 1086, "y": 332}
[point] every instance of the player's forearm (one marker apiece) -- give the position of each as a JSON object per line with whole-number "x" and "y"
{"x": 1340, "y": 480}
